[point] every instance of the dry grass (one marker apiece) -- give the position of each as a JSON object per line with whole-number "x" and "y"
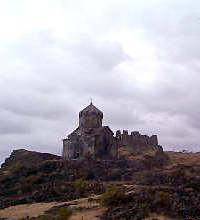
{"x": 183, "y": 158}
{"x": 92, "y": 214}
{"x": 158, "y": 217}
{"x": 175, "y": 158}
{"x": 126, "y": 153}
{"x": 31, "y": 210}
{"x": 80, "y": 207}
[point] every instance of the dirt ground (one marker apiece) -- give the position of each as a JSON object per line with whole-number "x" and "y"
{"x": 158, "y": 217}
{"x": 31, "y": 210}
{"x": 82, "y": 209}
{"x": 92, "y": 214}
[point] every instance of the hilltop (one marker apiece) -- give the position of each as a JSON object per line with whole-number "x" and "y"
{"x": 28, "y": 176}
{"x": 31, "y": 177}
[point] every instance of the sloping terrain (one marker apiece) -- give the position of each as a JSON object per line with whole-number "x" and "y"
{"x": 85, "y": 208}
{"x": 51, "y": 179}
{"x": 155, "y": 183}
{"x": 186, "y": 158}
{"x": 89, "y": 208}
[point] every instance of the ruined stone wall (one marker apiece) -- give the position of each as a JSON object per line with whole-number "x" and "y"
{"x": 100, "y": 143}
{"x": 105, "y": 145}
{"x": 135, "y": 140}
{"x": 115, "y": 149}
{"x": 97, "y": 141}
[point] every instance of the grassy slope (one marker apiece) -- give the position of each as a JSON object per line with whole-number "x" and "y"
{"x": 176, "y": 158}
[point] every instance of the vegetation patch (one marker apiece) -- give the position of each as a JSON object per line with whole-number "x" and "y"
{"x": 81, "y": 185}
{"x": 113, "y": 196}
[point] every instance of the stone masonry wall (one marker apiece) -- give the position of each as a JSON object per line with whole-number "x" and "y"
{"x": 135, "y": 140}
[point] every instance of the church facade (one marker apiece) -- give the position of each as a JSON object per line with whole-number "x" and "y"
{"x": 90, "y": 139}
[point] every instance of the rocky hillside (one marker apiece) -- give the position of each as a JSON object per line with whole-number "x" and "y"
{"x": 21, "y": 157}
{"x": 34, "y": 177}
{"x": 152, "y": 180}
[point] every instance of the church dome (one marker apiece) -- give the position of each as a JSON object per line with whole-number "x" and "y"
{"x": 90, "y": 110}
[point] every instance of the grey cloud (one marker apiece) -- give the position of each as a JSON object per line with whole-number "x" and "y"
{"x": 45, "y": 80}
{"x": 39, "y": 49}
{"x": 33, "y": 47}
{"x": 105, "y": 54}
{"x": 31, "y": 103}
{"x": 122, "y": 113}
{"x": 10, "y": 124}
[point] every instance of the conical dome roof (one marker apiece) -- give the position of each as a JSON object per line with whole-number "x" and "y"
{"x": 90, "y": 110}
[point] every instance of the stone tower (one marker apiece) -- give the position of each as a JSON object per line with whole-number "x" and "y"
{"x": 90, "y": 118}
{"x": 90, "y": 139}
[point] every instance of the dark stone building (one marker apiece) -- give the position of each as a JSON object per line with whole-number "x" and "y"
{"x": 92, "y": 140}
{"x": 136, "y": 142}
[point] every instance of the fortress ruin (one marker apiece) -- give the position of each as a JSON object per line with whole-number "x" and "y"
{"x": 92, "y": 140}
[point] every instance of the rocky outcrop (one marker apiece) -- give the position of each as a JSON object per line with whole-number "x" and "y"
{"x": 176, "y": 203}
{"x": 27, "y": 158}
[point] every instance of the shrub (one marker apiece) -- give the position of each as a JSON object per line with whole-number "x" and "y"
{"x": 64, "y": 213}
{"x": 81, "y": 185}
{"x": 162, "y": 202}
{"x": 162, "y": 197}
{"x": 113, "y": 196}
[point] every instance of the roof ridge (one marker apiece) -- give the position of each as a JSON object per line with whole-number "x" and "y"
{"x": 90, "y": 109}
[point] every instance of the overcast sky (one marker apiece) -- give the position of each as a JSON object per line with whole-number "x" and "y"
{"x": 138, "y": 59}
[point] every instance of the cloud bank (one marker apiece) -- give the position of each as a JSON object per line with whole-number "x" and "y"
{"x": 138, "y": 60}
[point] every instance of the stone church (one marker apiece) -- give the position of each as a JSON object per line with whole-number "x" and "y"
{"x": 92, "y": 140}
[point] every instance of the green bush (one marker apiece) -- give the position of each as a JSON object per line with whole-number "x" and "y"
{"x": 81, "y": 185}
{"x": 113, "y": 196}
{"x": 64, "y": 213}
